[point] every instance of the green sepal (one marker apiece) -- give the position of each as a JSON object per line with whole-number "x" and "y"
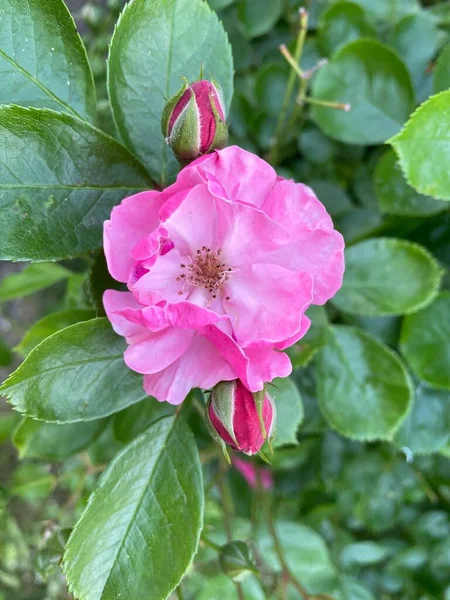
{"x": 259, "y": 403}
{"x": 170, "y": 106}
{"x": 185, "y": 135}
{"x": 221, "y": 136}
{"x": 236, "y": 561}
{"x": 263, "y": 457}
{"x": 222, "y": 399}
{"x": 213, "y": 433}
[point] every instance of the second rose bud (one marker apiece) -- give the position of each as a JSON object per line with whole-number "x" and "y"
{"x": 193, "y": 121}
{"x": 240, "y": 419}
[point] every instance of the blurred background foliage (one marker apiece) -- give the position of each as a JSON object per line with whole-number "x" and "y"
{"x": 365, "y": 520}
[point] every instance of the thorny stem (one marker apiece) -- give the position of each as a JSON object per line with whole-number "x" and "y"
{"x": 290, "y": 84}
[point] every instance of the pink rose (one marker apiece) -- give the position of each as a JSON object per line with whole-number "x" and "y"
{"x": 220, "y": 269}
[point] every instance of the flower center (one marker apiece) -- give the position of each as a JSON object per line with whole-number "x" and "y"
{"x": 206, "y": 270}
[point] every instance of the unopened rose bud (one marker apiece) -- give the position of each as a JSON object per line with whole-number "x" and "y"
{"x": 239, "y": 418}
{"x": 236, "y": 561}
{"x": 193, "y": 121}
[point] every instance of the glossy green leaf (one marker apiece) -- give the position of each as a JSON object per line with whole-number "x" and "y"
{"x": 425, "y": 342}
{"x": 49, "y": 440}
{"x": 427, "y": 427}
{"x": 50, "y": 324}
{"x": 441, "y": 74}
{"x": 77, "y": 374}
{"x": 389, "y": 11}
{"x": 395, "y": 196}
{"x": 305, "y": 552}
{"x": 363, "y": 553}
{"x": 289, "y": 410}
{"x": 341, "y": 23}
{"x": 259, "y": 16}
{"x": 135, "y": 419}
{"x": 154, "y": 45}
{"x": 423, "y": 147}
{"x": 219, "y": 4}
{"x": 374, "y": 81}
{"x": 387, "y": 276}
{"x": 416, "y": 41}
{"x": 270, "y": 85}
{"x": 142, "y": 525}
{"x": 43, "y": 62}
{"x": 363, "y": 388}
{"x": 59, "y": 180}
{"x": 31, "y": 279}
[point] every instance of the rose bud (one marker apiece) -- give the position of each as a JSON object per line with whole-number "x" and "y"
{"x": 238, "y": 418}
{"x": 193, "y": 121}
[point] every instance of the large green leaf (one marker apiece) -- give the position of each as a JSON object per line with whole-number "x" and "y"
{"x": 289, "y": 408}
{"x": 49, "y": 440}
{"x": 259, "y": 16}
{"x": 427, "y": 427}
{"x": 43, "y": 62}
{"x": 363, "y": 388}
{"x": 387, "y": 276}
{"x": 154, "y": 45}
{"x": 59, "y": 180}
{"x": 135, "y": 419}
{"x": 425, "y": 342}
{"x": 142, "y": 525}
{"x": 395, "y": 196}
{"x": 389, "y": 10}
{"x": 33, "y": 278}
{"x": 50, "y": 324}
{"x": 76, "y": 374}
{"x": 341, "y": 23}
{"x": 423, "y": 147}
{"x": 374, "y": 81}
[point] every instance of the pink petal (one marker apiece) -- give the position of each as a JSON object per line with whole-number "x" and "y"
{"x": 187, "y": 315}
{"x": 158, "y": 351}
{"x": 315, "y": 247}
{"x": 267, "y": 303}
{"x": 305, "y": 324}
{"x": 160, "y": 283}
{"x": 133, "y": 219}
{"x": 253, "y": 366}
{"x": 201, "y": 366}
{"x": 115, "y": 304}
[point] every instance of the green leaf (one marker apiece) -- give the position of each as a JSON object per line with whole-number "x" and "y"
{"x": 50, "y": 324}
{"x": 100, "y": 280}
{"x": 363, "y": 554}
{"x": 42, "y": 59}
{"x": 332, "y": 196}
{"x": 142, "y": 525}
{"x": 427, "y": 427}
{"x": 387, "y": 276}
{"x": 219, "y": 4}
{"x": 425, "y": 342}
{"x": 76, "y": 374}
{"x": 154, "y": 45}
{"x": 52, "y": 441}
{"x": 341, "y": 23}
{"x": 270, "y": 85}
{"x": 389, "y": 10}
{"x": 374, "y": 81}
{"x": 416, "y": 40}
{"x": 8, "y": 423}
{"x": 31, "y": 279}
{"x": 423, "y": 147}
{"x": 59, "y": 180}
{"x": 305, "y": 553}
{"x": 135, "y": 419}
{"x": 259, "y": 16}
{"x": 6, "y": 355}
{"x": 289, "y": 410}
{"x": 441, "y": 74}
{"x": 395, "y": 196}
{"x": 363, "y": 389}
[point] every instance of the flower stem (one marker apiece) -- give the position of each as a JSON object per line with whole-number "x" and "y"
{"x": 326, "y": 103}
{"x": 208, "y": 542}
{"x": 290, "y": 85}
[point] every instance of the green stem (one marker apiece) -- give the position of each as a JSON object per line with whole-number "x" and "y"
{"x": 208, "y": 542}
{"x": 290, "y": 85}
{"x": 180, "y": 594}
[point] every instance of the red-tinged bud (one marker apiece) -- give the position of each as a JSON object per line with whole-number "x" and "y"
{"x": 239, "y": 418}
{"x": 193, "y": 121}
